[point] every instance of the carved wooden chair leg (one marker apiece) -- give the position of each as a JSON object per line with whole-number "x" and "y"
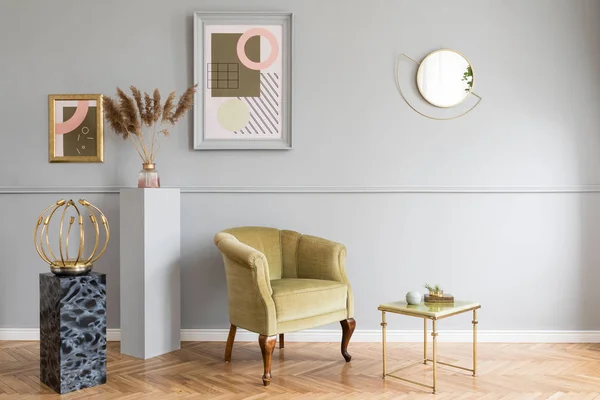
{"x": 267, "y": 345}
{"x": 229, "y": 345}
{"x": 348, "y": 326}
{"x": 281, "y": 342}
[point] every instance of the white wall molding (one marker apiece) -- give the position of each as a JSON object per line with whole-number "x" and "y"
{"x": 314, "y": 189}
{"x": 364, "y": 335}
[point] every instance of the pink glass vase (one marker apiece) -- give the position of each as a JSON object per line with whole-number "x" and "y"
{"x": 148, "y": 177}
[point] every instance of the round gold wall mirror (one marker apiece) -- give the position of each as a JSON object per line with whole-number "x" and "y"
{"x": 445, "y": 78}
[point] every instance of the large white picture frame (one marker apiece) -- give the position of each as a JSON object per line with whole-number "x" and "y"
{"x": 243, "y": 67}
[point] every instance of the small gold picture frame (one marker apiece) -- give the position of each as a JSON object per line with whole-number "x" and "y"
{"x": 75, "y": 128}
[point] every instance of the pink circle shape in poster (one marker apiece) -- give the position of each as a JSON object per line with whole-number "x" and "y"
{"x": 241, "y": 48}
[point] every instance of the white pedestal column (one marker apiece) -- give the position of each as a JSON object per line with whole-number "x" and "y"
{"x": 150, "y": 283}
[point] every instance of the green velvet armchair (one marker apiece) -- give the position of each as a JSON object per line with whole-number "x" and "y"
{"x": 280, "y": 281}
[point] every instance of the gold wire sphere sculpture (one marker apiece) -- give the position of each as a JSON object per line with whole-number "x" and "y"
{"x": 64, "y": 265}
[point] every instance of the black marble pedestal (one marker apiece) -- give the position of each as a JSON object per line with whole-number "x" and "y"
{"x": 72, "y": 331}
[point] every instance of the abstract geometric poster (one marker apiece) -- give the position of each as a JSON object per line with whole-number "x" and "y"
{"x": 75, "y": 132}
{"x": 243, "y": 83}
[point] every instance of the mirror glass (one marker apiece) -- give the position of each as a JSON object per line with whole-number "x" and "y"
{"x": 445, "y": 78}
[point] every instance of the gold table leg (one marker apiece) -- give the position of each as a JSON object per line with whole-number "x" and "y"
{"x": 383, "y": 325}
{"x": 434, "y": 334}
{"x": 424, "y": 340}
{"x": 475, "y": 342}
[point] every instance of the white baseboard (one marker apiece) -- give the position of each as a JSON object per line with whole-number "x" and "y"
{"x": 409, "y": 336}
{"x": 19, "y": 334}
{"x": 27, "y": 334}
{"x": 363, "y": 335}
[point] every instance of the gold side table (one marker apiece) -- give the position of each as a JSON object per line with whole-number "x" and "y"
{"x": 433, "y": 312}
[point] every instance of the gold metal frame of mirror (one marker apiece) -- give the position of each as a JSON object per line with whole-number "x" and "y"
{"x": 479, "y": 98}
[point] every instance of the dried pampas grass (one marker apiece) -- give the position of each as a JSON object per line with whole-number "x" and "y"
{"x": 128, "y": 116}
{"x": 168, "y": 108}
{"x": 186, "y": 101}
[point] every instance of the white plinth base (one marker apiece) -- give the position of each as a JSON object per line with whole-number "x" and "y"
{"x": 150, "y": 275}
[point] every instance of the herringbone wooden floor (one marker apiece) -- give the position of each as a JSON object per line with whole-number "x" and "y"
{"x": 318, "y": 371}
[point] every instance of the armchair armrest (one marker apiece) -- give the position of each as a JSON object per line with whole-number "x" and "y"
{"x": 247, "y": 256}
{"x": 323, "y": 259}
{"x": 248, "y": 286}
{"x": 320, "y": 258}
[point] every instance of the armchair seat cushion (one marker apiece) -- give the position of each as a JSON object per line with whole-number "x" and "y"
{"x": 303, "y": 298}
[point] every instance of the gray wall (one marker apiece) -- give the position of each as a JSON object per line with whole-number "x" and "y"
{"x": 509, "y": 220}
